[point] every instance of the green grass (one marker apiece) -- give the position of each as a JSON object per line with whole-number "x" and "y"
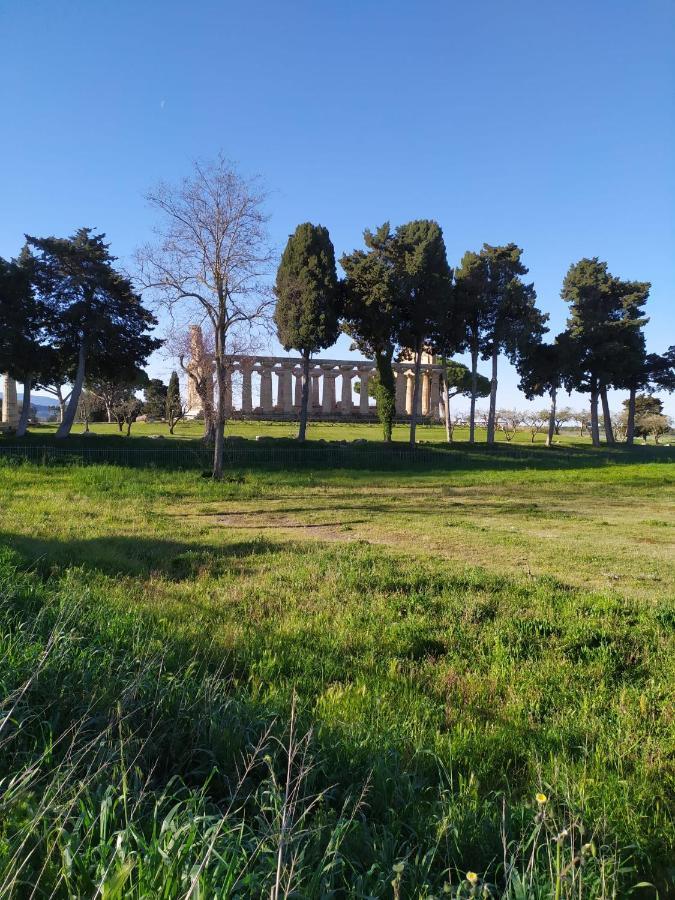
{"x": 451, "y": 640}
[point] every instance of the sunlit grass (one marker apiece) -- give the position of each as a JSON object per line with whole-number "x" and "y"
{"x": 456, "y": 642}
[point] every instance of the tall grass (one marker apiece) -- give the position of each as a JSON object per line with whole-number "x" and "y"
{"x": 135, "y": 763}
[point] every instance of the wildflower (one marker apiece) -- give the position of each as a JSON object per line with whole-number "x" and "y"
{"x": 471, "y": 877}
{"x": 541, "y": 799}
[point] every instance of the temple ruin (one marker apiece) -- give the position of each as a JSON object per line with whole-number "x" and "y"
{"x": 10, "y": 406}
{"x": 263, "y": 387}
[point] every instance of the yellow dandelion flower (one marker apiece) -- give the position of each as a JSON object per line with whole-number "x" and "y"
{"x": 541, "y": 798}
{"x": 471, "y": 877}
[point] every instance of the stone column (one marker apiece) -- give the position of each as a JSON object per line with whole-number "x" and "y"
{"x": 409, "y": 392}
{"x": 10, "y": 407}
{"x": 346, "y": 397}
{"x": 426, "y": 388}
{"x": 297, "y": 400}
{"x": 246, "y": 368}
{"x": 400, "y": 393}
{"x": 266, "y": 401}
{"x": 228, "y": 391}
{"x": 328, "y": 395}
{"x": 315, "y": 393}
{"x": 286, "y": 383}
{"x": 364, "y": 399}
{"x": 435, "y": 395}
{"x": 281, "y": 388}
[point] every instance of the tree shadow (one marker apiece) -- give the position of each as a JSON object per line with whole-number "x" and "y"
{"x": 132, "y": 555}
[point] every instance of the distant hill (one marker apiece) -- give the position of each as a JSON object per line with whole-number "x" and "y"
{"x": 44, "y": 406}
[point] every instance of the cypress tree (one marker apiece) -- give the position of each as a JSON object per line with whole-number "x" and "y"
{"x": 307, "y": 308}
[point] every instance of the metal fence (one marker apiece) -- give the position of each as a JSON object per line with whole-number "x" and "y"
{"x": 270, "y": 454}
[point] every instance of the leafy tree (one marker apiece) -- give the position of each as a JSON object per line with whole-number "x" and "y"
{"x": 307, "y": 310}
{"x": 97, "y": 321}
{"x": 424, "y": 283}
{"x": 22, "y": 330}
{"x": 655, "y": 425}
{"x": 630, "y": 365}
{"x": 513, "y": 320}
{"x": 155, "y": 396}
{"x": 87, "y": 407}
{"x": 541, "y": 368}
{"x": 128, "y": 409}
{"x": 460, "y": 381}
{"x": 606, "y": 344}
{"x": 173, "y": 406}
{"x": 371, "y": 313}
{"x": 113, "y": 389}
{"x": 661, "y": 370}
{"x": 472, "y": 311}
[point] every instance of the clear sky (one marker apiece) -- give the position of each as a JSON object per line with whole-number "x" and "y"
{"x": 547, "y": 123}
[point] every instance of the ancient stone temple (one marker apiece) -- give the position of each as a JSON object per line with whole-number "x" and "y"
{"x": 10, "y": 406}
{"x": 262, "y": 386}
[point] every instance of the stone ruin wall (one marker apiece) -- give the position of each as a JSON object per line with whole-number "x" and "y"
{"x": 326, "y": 401}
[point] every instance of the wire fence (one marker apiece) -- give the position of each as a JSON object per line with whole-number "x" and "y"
{"x": 246, "y": 454}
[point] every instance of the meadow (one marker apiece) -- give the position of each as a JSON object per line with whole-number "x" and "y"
{"x": 444, "y": 679}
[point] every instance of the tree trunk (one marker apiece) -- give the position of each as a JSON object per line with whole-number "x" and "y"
{"x": 607, "y": 419}
{"x": 304, "y": 399}
{"x": 551, "y": 418}
{"x": 62, "y": 404}
{"x": 595, "y": 430}
{"x": 446, "y": 404}
{"x": 474, "y": 391}
{"x": 22, "y": 427}
{"x": 69, "y": 416}
{"x": 416, "y": 392}
{"x": 219, "y": 442}
{"x": 630, "y": 422}
{"x": 493, "y": 397}
{"x": 385, "y": 393}
{"x": 109, "y": 412}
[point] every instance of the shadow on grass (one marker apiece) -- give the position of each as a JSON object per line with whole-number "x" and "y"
{"x": 121, "y": 555}
{"x": 286, "y": 454}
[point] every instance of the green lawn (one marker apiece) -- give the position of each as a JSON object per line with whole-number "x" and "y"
{"x": 328, "y": 431}
{"x": 452, "y": 640}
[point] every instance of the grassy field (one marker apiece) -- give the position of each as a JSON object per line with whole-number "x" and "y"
{"x": 339, "y": 682}
{"x": 316, "y": 431}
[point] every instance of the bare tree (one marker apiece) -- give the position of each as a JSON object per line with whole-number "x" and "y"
{"x": 508, "y": 421}
{"x": 535, "y": 421}
{"x": 210, "y": 260}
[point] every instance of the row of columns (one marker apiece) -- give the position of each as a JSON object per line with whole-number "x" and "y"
{"x": 322, "y": 388}
{"x": 10, "y": 405}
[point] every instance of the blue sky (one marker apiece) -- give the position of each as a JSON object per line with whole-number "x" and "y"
{"x": 551, "y": 124}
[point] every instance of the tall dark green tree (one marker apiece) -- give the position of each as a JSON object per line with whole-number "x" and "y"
{"x": 370, "y": 309}
{"x": 473, "y": 312}
{"x": 605, "y": 324}
{"x": 97, "y": 319}
{"x": 174, "y": 410}
{"x": 23, "y": 324}
{"x": 307, "y": 309}
{"x": 513, "y": 320}
{"x": 424, "y": 285}
{"x": 541, "y": 368}
{"x": 155, "y": 395}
